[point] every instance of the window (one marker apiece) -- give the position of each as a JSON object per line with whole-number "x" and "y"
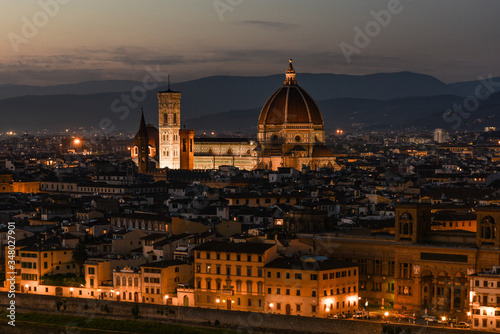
{"x": 377, "y": 267}
{"x": 259, "y": 272}
{"x": 249, "y": 271}
{"x": 217, "y": 256}
{"x": 278, "y": 291}
{"x": 278, "y": 275}
{"x": 249, "y": 258}
{"x": 298, "y": 307}
{"x": 287, "y": 292}
{"x": 238, "y": 257}
{"x": 249, "y": 286}
{"x": 314, "y": 277}
{"x": 208, "y": 255}
{"x": 269, "y": 290}
{"x": 238, "y": 271}
{"x": 313, "y": 293}
{"x": 228, "y": 270}
{"x": 91, "y": 271}
{"x": 485, "y": 284}
{"x": 269, "y": 274}
{"x": 228, "y": 257}
{"x": 297, "y": 292}
{"x": 405, "y": 270}
{"x": 298, "y": 276}
{"x": 313, "y": 309}
{"x": 249, "y": 302}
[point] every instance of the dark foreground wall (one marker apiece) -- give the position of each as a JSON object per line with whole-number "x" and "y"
{"x": 244, "y": 322}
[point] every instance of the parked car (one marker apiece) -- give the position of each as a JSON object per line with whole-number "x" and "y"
{"x": 431, "y": 318}
{"x": 361, "y": 315}
{"x": 462, "y": 324}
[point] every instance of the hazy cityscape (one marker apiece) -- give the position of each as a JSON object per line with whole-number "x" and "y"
{"x": 218, "y": 167}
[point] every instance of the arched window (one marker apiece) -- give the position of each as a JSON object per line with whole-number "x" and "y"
{"x": 238, "y": 286}
{"x": 297, "y": 138}
{"x": 229, "y": 151}
{"x": 488, "y": 228}
{"x": 487, "y": 232}
{"x": 210, "y": 151}
{"x": 124, "y": 281}
{"x": 118, "y": 281}
{"x": 130, "y": 281}
{"x": 249, "y": 286}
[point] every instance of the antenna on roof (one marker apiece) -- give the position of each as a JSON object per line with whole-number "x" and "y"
{"x": 168, "y": 80}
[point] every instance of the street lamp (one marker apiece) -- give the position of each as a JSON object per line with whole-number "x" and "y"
{"x": 386, "y": 314}
{"x": 26, "y": 287}
{"x": 217, "y": 301}
{"x": 71, "y": 292}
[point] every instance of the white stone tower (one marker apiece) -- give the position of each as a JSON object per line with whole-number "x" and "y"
{"x": 169, "y": 108}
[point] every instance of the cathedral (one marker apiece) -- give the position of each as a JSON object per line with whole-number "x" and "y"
{"x": 290, "y": 134}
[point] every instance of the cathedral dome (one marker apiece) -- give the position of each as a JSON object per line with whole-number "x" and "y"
{"x": 290, "y": 104}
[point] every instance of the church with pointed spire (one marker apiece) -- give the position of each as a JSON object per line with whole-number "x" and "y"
{"x": 290, "y": 134}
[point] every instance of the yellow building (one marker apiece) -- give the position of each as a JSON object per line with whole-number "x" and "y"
{"x": 231, "y": 275}
{"x": 128, "y": 284}
{"x": 33, "y": 262}
{"x": 311, "y": 286}
{"x": 160, "y": 280}
{"x": 485, "y": 300}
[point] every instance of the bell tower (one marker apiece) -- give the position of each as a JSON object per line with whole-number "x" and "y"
{"x": 143, "y": 154}
{"x": 169, "y": 107}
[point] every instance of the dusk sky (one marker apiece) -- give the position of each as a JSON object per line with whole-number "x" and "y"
{"x": 453, "y": 40}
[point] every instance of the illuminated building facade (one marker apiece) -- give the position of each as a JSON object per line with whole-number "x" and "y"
{"x": 311, "y": 286}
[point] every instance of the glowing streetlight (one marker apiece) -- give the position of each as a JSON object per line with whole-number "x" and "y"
{"x": 217, "y": 301}
{"x": 271, "y": 305}
{"x": 76, "y": 141}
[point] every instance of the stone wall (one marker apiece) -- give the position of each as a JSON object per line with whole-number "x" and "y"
{"x": 244, "y": 322}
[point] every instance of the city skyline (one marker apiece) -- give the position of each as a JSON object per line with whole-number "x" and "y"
{"x": 55, "y": 42}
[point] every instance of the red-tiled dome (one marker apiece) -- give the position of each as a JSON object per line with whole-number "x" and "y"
{"x": 290, "y": 104}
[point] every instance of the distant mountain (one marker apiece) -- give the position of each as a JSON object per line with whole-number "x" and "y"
{"x": 362, "y": 114}
{"x": 82, "y": 88}
{"x": 345, "y": 100}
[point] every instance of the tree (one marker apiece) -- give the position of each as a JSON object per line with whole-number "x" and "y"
{"x": 79, "y": 256}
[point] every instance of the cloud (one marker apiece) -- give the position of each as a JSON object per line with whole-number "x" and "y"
{"x": 269, "y": 24}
